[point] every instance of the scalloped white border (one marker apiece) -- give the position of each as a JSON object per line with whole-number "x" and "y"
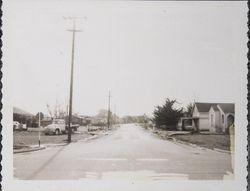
{"x": 10, "y": 184}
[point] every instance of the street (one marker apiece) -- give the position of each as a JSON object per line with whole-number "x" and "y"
{"x": 127, "y": 153}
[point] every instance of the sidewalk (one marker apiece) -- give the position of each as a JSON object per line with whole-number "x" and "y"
{"x": 30, "y": 148}
{"x": 21, "y": 148}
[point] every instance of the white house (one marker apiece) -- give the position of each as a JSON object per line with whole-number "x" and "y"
{"x": 213, "y": 117}
{"x": 221, "y": 117}
{"x": 200, "y": 115}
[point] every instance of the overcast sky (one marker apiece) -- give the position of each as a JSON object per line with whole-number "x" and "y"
{"x": 143, "y": 52}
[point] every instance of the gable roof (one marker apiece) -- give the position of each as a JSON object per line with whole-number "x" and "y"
{"x": 205, "y": 107}
{"x": 215, "y": 107}
{"x": 227, "y": 107}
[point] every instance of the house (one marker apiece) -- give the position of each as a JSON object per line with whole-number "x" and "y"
{"x": 213, "y": 117}
{"x": 200, "y": 116}
{"x": 221, "y": 117}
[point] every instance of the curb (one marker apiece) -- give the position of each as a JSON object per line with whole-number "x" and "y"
{"x": 29, "y": 150}
{"x": 190, "y": 144}
{"x": 199, "y": 147}
{"x": 90, "y": 138}
{"x": 55, "y": 144}
{"x": 95, "y": 136}
{"x": 15, "y": 151}
{"x": 223, "y": 151}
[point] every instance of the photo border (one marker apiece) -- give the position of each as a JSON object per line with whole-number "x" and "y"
{"x": 248, "y": 94}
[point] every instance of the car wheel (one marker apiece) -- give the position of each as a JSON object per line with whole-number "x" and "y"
{"x": 57, "y": 132}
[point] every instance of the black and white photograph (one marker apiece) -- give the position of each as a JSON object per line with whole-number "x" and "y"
{"x": 124, "y": 95}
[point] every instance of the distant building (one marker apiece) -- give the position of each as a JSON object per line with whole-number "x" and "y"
{"x": 98, "y": 121}
{"x": 22, "y": 116}
{"x": 84, "y": 120}
{"x": 75, "y": 119}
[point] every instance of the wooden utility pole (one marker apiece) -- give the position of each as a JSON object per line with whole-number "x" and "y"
{"x": 109, "y": 112}
{"x": 39, "y": 125}
{"x": 71, "y": 80}
{"x": 115, "y": 115}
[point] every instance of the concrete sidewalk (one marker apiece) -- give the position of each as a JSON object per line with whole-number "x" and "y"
{"x": 30, "y": 148}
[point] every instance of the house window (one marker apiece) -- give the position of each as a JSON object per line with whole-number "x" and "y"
{"x": 222, "y": 117}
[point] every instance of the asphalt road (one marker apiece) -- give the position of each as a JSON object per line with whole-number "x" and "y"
{"x": 127, "y": 153}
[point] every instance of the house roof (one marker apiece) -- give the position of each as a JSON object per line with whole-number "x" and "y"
{"x": 227, "y": 107}
{"x": 215, "y": 107}
{"x": 19, "y": 111}
{"x": 205, "y": 107}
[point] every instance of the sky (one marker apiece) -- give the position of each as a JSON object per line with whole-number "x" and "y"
{"x": 142, "y": 51}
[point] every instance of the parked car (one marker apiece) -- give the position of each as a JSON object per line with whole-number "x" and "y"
{"x": 57, "y": 127}
{"x": 24, "y": 127}
{"x": 19, "y": 126}
{"x": 16, "y": 125}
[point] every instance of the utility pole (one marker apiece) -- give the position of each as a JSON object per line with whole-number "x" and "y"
{"x": 109, "y": 111}
{"x": 67, "y": 109}
{"x": 115, "y": 115}
{"x": 74, "y": 30}
{"x": 39, "y": 125}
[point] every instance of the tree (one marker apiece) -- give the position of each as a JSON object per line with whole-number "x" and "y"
{"x": 41, "y": 116}
{"x": 167, "y": 116}
{"x": 189, "y": 109}
{"x": 103, "y": 113}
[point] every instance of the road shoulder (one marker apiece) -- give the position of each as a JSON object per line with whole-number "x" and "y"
{"x": 177, "y": 137}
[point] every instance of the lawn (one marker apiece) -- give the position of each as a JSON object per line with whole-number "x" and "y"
{"x": 31, "y": 138}
{"x": 210, "y": 141}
